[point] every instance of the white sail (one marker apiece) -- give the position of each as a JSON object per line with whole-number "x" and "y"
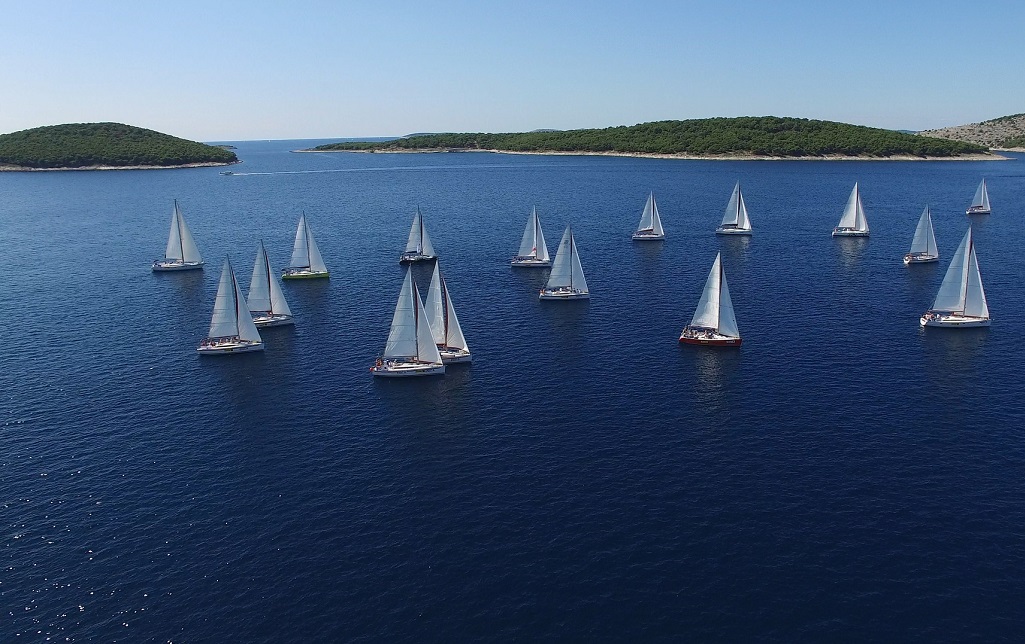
{"x": 975, "y": 295}
{"x": 981, "y": 198}
{"x": 854, "y": 214}
{"x": 706, "y": 315}
{"x": 924, "y": 240}
{"x": 419, "y": 241}
{"x": 566, "y": 270}
{"x": 649, "y": 217}
{"x": 231, "y": 316}
{"x": 180, "y": 244}
{"x": 736, "y": 211}
{"x": 533, "y": 242}
{"x": 442, "y": 314}
{"x": 961, "y": 289}
{"x": 264, "y": 291}
{"x": 410, "y": 335}
{"x": 305, "y": 253}
{"x": 727, "y": 319}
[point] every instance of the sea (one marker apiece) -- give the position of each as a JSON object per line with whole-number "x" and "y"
{"x": 845, "y": 475}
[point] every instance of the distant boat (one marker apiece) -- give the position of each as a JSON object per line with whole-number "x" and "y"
{"x": 735, "y": 221}
{"x": 853, "y": 222}
{"x": 566, "y": 281}
{"x": 923, "y": 246}
{"x": 650, "y": 226}
{"x": 961, "y": 300}
{"x": 714, "y": 323}
{"x": 181, "y": 253}
{"x": 410, "y": 350}
{"x": 418, "y": 246}
{"x": 266, "y": 301}
{"x": 306, "y": 260}
{"x": 980, "y": 203}
{"x": 231, "y": 327}
{"x": 448, "y": 334}
{"x": 533, "y": 250}
{"x": 227, "y": 172}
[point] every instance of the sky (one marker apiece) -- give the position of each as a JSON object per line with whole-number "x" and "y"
{"x": 231, "y": 70}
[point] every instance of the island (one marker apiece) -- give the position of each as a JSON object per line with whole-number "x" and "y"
{"x": 104, "y": 146}
{"x": 1001, "y": 133}
{"x": 748, "y": 137}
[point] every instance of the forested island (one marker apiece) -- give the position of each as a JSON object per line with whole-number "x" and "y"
{"x": 106, "y": 146}
{"x": 741, "y": 137}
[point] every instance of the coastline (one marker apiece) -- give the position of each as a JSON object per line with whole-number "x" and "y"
{"x": 686, "y": 157}
{"x": 203, "y": 164}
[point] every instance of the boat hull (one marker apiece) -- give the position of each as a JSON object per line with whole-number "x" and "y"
{"x": 920, "y": 259}
{"x": 849, "y": 232}
{"x": 952, "y": 321}
{"x": 563, "y": 294}
{"x": 977, "y": 210}
{"x": 228, "y": 347}
{"x": 303, "y": 274}
{"x": 453, "y": 355}
{"x": 732, "y": 231}
{"x": 530, "y": 262}
{"x": 166, "y": 265}
{"x": 720, "y": 341}
{"x": 402, "y": 369}
{"x": 263, "y": 320}
{"x": 412, "y": 258}
{"x": 647, "y": 236}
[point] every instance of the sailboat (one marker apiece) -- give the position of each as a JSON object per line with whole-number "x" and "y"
{"x": 306, "y": 260}
{"x": 650, "y": 226}
{"x": 418, "y": 246}
{"x": 181, "y": 253}
{"x": 980, "y": 203}
{"x": 735, "y": 221}
{"x": 566, "y": 281}
{"x": 853, "y": 222}
{"x": 533, "y": 250}
{"x": 231, "y": 327}
{"x": 961, "y": 300}
{"x": 448, "y": 334}
{"x": 714, "y": 323}
{"x": 410, "y": 350}
{"x": 266, "y": 301}
{"x": 923, "y": 246}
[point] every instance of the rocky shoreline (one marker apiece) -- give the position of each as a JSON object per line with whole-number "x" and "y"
{"x": 690, "y": 157}
{"x": 205, "y": 164}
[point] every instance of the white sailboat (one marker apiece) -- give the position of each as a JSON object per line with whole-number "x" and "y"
{"x": 980, "y": 203}
{"x": 853, "y": 222}
{"x": 961, "y": 300}
{"x": 735, "y": 220}
{"x": 923, "y": 246}
{"x": 533, "y": 250}
{"x": 714, "y": 323}
{"x": 266, "y": 301}
{"x": 650, "y": 226}
{"x": 448, "y": 334}
{"x": 418, "y": 245}
{"x": 410, "y": 350}
{"x": 231, "y": 327}
{"x": 306, "y": 261}
{"x": 566, "y": 281}
{"x": 181, "y": 253}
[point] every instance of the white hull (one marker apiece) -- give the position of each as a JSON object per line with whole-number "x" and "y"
{"x": 849, "y": 232}
{"x": 952, "y": 321}
{"x": 530, "y": 262}
{"x": 224, "y": 346}
{"x": 647, "y": 235}
{"x": 411, "y": 257}
{"x": 977, "y": 210}
{"x": 161, "y": 265}
{"x": 723, "y": 230}
{"x": 401, "y": 369}
{"x": 710, "y": 337}
{"x": 920, "y": 259}
{"x": 452, "y": 355}
{"x": 262, "y": 320}
{"x": 563, "y": 293}
{"x": 302, "y": 273}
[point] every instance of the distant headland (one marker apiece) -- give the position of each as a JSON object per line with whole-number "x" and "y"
{"x": 104, "y": 146}
{"x": 747, "y": 137}
{"x": 1002, "y": 133}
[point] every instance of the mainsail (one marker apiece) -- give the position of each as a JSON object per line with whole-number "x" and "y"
{"x": 442, "y": 314}
{"x": 419, "y": 241}
{"x": 566, "y": 270}
{"x": 715, "y": 308}
{"x": 854, "y": 214}
{"x": 961, "y": 290}
{"x": 180, "y": 244}
{"x": 533, "y": 242}
{"x": 305, "y": 253}
{"x": 736, "y": 211}
{"x": 264, "y": 291}
{"x": 231, "y": 316}
{"x": 649, "y": 217}
{"x": 410, "y": 336}
{"x": 981, "y": 199}
{"x": 925, "y": 240}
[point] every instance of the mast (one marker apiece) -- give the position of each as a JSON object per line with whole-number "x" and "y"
{"x": 444, "y": 303}
{"x": 181, "y": 242}
{"x": 572, "y": 244}
{"x": 416, "y": 316}
{"x": 537, "y": 229}
{"x": 306, "y": 231}
{"x": 266, "y": 261}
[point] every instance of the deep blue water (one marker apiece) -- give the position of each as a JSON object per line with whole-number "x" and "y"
{"x": 844, "y": 475}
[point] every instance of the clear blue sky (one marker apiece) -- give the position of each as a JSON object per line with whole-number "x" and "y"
{"x": 225, "y": 70}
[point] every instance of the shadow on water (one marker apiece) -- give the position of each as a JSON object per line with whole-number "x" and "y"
{"x": 735, "y": 248}
{"x": 715, "y": 370}
{"x": 852, "y": 249}
{"x": 649, "y": 250}
{"x": 950, "y": 351}
{"x": 533, "y": 279}
{"x": 187, "y": 284}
